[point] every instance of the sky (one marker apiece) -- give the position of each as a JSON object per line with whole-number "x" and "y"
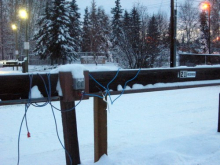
{"x": 153, "y": 6}
{"x": 127, "y": 4}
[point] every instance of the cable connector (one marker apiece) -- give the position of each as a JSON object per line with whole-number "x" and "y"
{"x": 28, "y": 135}
{"x": 80, "y": 93}
{"x": 78, "y": 83}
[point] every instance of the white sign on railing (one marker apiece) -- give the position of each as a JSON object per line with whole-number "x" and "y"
{"x": 187, "y": 74}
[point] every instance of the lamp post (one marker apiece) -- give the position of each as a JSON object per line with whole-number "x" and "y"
{"x": 15, "y": 29}
{"x": 24, "y": 15}
{"x": 206, "y": 6}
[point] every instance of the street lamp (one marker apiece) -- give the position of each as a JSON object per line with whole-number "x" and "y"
{"x": 207, "y": 7}
{"x": 24, "y": 15}
{"x": 15, "y": 29}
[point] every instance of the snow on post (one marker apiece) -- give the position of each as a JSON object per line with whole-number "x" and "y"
{"x": 77, "y": 71}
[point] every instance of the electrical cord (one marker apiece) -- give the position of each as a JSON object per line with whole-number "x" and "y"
{"x": 55, "y": 121}
{"x": 19, "y": 135}
{"x": 24, "y": 118}
{"x": 107, "y": 90}
{"x": 37, "y": 105}
{"x": 48, "y": 92}
{"x": 126, "y": 85}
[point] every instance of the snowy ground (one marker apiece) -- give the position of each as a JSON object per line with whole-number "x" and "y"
{"x": 177, "y": 127}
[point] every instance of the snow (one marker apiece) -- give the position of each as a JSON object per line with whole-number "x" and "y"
{"x": 120, "y": 88}
{"x": 176, "y": 127}
{"x": 156, "y": 128}
{"x": 76, "y": 70}
{"x": 140, "y": 86}
{"x": 35, "y": 93}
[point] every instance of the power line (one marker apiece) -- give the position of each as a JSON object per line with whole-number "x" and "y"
{"x": 161, "y": 4}
{"x": 158, "y": 4}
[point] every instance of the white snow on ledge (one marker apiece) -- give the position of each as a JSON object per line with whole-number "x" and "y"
{"x": 35, "y": 93}
{"x": 158, "y": 85}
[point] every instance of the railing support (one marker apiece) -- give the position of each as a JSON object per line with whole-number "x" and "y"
{"x": 100, "y": 128}
{"x": 69, "y": 119}
{"x": 219, "y": 114}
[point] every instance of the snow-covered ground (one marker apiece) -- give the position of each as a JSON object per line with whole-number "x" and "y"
{"x": 177, "y": 127}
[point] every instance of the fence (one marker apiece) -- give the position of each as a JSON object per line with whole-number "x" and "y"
{"x": 15, "y": 90}
{"x": 86, "y": 57}
{"x": 92, "y": 60}
{"x": 190, "y": 59}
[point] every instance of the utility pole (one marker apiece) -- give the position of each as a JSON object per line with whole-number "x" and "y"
{"x": 1, "y": 27}
{"x": 175, "y": 30}
{"x": 172, "y": 36}
{"x": 209, "y": 14}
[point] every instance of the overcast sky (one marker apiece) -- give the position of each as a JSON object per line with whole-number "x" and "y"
{"x": 153, "y": 6}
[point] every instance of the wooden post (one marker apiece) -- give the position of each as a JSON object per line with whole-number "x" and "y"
{"x": 219, "y": 114}
{"x": 69, "y": 118}
{"x": 100, "y": 128}
{"x": 24, "y": 66}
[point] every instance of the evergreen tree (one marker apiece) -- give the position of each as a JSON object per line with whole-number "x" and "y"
{"x": 60, "y": 44}
{"x": 86, "y": 32}
{"x": 75, "y": 29}
{"x": 135, "y": 36}
{"x": 116, "y": 22}
{"x": 42, "y": 35}
{"x": 204, "y": 32}
{"x": 126, "y": 24}
{"x": 135, "y": 28}
{"x": 104, "y": 31}
{"x": 153, "y": 37}
{"x": 94, "y": 28}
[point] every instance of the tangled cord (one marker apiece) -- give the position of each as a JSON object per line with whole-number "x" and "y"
{"x": 107, "y": 90}
{"x": 48, "y": 92}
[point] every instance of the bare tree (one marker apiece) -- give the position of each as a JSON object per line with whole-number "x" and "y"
{"x": 1, "y": 29}
{"x": 215, "y": 25}
{"x": 188, "y": 21}
{"x": 164, "y": 45}
{"x": 6, "y": 44}
{"x": 215, "y": 16}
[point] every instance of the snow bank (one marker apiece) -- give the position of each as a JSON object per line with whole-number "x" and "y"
{"x": 105, "y": 160}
